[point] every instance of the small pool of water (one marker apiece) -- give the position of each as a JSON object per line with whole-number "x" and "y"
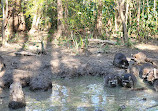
{"x": 85, "y": 94}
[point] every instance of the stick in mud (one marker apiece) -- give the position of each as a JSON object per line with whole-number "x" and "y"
{"x": 152, "y": 106}
{"x": 139, "y": 89}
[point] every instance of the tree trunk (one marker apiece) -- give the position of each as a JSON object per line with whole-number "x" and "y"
{"x": 138, "y": 17}
{"x": 3, "y": 20}
{"x": 59, "y": 19}
{"x": 116, "y": 16}
{"x": 154, "y": 6}
{"x": 130, "y": 18}
{"x": 148, "y": 8}
{"x": 36, "y": 21}
{"x": 116, "y": 29}
{"x": 127, "y": 5}
{"x": 143, "y": 9}
{"x": 155, "y": 12}
{"x": 66, "y": 19}
{"x": 146, "y": 36}
{"x": 99, "y": 19}
{"x": 6, "y": 8}
{"x": 33, "y": 27}
{"x": 19, "y": 20}
{"x": 125, "y": 33}
{"x": 95, "y": 19}
{"x": 15, "y": 21}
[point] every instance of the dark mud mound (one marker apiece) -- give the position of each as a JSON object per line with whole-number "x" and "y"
{"x": 9, "y": 76}
{"x": 42, "y": 80}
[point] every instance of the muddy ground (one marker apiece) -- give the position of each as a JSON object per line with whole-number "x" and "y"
{"x": 65, "y": 62}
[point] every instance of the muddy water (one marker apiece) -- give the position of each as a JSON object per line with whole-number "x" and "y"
{"x": 85, "y": 94}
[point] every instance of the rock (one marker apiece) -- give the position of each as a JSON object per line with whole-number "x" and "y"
{"x": 17, "y": 97}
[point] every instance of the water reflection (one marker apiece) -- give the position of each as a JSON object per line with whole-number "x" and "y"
{"x": 86, "y": 94}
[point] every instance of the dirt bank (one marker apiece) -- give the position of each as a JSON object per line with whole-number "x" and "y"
{"x": 62, "y": 62}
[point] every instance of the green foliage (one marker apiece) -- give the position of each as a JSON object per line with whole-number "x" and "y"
{"x": 106, "y": 48}
{"x": 25, "y": 46}
{"x": 82, "y": 15}
{"x": 75, "y": 43}
{"x": 130, "y": 43}
{"x": 45, "y": 9}
{"x": 14, "y": 39}
{"x": 118, "y": 41}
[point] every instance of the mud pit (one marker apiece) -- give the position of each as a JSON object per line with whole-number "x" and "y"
{"x": 63, "y": 63}
{"x": 84, "y": 93}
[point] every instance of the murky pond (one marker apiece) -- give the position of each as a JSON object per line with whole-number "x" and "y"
{"x": 85, "y": 94}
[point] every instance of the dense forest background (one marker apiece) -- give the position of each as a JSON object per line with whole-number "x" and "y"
{"x": 76, "y": 21}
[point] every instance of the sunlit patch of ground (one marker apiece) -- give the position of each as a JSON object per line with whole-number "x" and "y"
{"x": 147, "y": 47}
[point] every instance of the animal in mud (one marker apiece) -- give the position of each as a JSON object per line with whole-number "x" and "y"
{"x": 128, "y": 80}
{"x": 145, "y": 69}
{"x": 2, "y": 65}
{"x": 120, "y": 61}
{"x": 152, "y": 78}
{"x": 141, "y": 58}
{"x": 133, "y": 68}
{"x": 111, "y": 80}
{"x": 155, "y": 84}
{"x": 17, "y": 97}
{"x": 152, "y": 75}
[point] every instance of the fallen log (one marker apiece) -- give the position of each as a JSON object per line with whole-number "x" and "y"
{"x": 24, "y": 53}
{"x": 17, "y": 97}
